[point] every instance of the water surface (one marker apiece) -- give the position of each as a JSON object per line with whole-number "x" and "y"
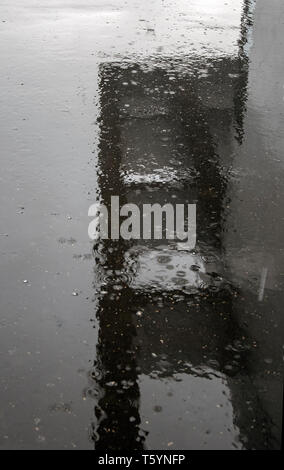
{"x": 140, "y": 345}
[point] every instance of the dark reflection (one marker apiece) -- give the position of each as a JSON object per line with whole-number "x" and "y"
{"x": 241, "y": 85}
{"x": 167, "y": 135}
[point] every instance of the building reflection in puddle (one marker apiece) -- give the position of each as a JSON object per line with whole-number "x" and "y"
{"x": 171, "y": 368}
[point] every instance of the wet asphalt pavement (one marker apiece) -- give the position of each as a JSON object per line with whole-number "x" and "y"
{"x": 125, "y": 345}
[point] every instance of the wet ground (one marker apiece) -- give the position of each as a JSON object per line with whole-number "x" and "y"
{"x": 141, "y": 345}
